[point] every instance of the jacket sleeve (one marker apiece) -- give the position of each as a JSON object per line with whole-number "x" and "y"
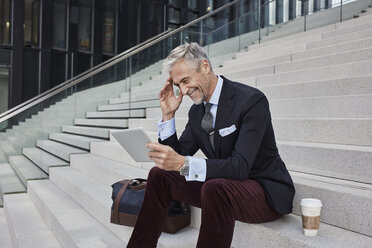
{"x": 185, "y": 146}
{"x": 252, "y": 130}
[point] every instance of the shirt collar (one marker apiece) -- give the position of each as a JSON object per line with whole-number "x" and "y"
{"x": 217, "y": 92}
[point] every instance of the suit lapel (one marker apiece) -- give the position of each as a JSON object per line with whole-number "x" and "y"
{"x": 224, "y": 110}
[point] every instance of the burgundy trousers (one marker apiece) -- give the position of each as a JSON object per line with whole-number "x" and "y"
{"x": 222, "y": 202}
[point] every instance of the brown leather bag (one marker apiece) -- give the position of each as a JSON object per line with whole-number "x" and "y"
{"x": 127, "y": 196}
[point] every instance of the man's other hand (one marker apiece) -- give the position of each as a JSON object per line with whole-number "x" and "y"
{"x": 165, "y": 157}
{"x": 169, "y": 103}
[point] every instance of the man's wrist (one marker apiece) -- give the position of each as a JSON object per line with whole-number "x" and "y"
{"x": 182, "y": 162}
{"x": 167, "y": 117}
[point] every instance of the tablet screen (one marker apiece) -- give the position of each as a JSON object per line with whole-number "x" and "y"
{"x": 134, "y": 142}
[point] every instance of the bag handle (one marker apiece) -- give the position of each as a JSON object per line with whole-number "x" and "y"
{"x": 117, "y": 200}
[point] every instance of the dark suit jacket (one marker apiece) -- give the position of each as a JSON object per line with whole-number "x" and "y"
{"x": 249, "y": 152}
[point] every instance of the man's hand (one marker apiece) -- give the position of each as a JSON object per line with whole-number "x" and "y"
{"x": 165, "y": 157}
{"x": 169, "y": 103}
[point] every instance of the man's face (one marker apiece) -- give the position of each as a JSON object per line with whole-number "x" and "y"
{"x": 191, "y": 82}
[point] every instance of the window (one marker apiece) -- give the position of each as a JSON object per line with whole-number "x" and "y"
{"x": 108, "y": 27}
{"x": 31, "y": 23}
{"x": 4, "y": 84}
{"x": 85, "y": 25}
{"x": 59, "y": 23}
{"x": 5, "y": 22}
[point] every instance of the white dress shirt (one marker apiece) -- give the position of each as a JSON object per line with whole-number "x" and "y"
{"x": 198, "y": 166}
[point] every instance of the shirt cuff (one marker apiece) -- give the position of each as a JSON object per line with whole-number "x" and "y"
{"x": 197, "y": 169}
{"x": 166, "y": 128}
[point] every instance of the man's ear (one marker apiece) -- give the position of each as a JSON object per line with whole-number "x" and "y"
{"x": 205, "y": 66}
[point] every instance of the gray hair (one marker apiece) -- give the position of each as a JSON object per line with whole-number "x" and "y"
{"x": 192, "y": 54}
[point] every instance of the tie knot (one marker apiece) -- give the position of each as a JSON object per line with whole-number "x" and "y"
{"x": 208, "y": 107}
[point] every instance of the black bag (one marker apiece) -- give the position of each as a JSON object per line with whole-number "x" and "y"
{"x": 127, "y": 197}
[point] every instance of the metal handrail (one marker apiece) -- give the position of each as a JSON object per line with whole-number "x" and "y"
{"x": 81, "y": 77}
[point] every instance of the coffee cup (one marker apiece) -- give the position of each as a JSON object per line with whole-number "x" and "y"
{"x": 310, "y": 211}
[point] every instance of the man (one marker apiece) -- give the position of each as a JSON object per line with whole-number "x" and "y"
{"x": 243, "y": 177}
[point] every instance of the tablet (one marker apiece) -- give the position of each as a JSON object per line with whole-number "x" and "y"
{"x": 134, "y": 142}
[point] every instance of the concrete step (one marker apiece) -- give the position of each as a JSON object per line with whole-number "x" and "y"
{"x": 114, "y": 151}
{"x": 72, "y": 225}
{"x": 244, "y": 63}
{"x": 253, "y": 72}
{"x": 133, "y": 105}
{"x": 332, "y": 160}
{"x": 88, "y": 131}
{"x": 43, "y": 159}
{"x": 334, "y": 49}
{"x": 324, "y": 130}
{"x": 118, "y": 123}
{"x": 9, "y": 182}
{"x": 60, "y": 150}
{"x": 352, "y": 29}
{"x": 26, "y": 225}
{"x": 5, "y": 240}
{"x": 321, "y": 61}
{"x": 357, "y": 69}
{"x": 139, "y": 113}
{"x": 346, "y": 204}
{"x": 25, "y": 169}
{"x": 352, "y": 106}
{"x": 334, "y": 87}
{"x": 315, "y": 107}
{"x": 287, "y": 232}
{"x": 321, "y": 130}
{"x": 295, "y": 224}
{"x": 341, "y": 39}
{"x": 98, "y": 203}
{"x": 74, "y": 140}
{"x": 94, "y": 165}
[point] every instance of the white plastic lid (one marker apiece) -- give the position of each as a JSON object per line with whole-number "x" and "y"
{"x": 310, "y": 202}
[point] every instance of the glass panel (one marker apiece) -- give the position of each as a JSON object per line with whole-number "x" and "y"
{"x": 192, "y": 4}
{"x": 85, "y": 25}
{"x": 4, "y": 92}
{"x": 59, "y": 23}
{"x": 30, "y": 85}
{"x": 5, "y": 21}
{"x": 174, "y": 16}
{"x": 108, "y": 27}
{"x": 31, "y": 23}
{"x": 152, "y": 20}
{"x": 82, "y": 62}
{"x": 58, "y": 67}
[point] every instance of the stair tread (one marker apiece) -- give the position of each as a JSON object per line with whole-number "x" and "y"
{"x": 75, "y": 137}
{"x": 5, "y": 241}
{"x": 39, "y": 156}
{"x": 27, "y": 170}
{"x": 100, "y": 194}
{"x": 56, "y": 145}
{"x": 9, "y": 181}
{"x": 71, "y": 216}
{"x": 25, "y": 219}
{"x": 293, "y": 230}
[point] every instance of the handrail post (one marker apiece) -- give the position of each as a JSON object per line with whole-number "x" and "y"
{"x": 259, "y": 21}
{"x": 305, "y": 12}
{"x": 341, "y": 12}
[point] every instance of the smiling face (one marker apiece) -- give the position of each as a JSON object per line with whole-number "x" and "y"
{"x": 198, "y": 85}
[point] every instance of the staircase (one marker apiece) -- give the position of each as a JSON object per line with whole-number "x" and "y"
{"x": 319, "y": 85}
